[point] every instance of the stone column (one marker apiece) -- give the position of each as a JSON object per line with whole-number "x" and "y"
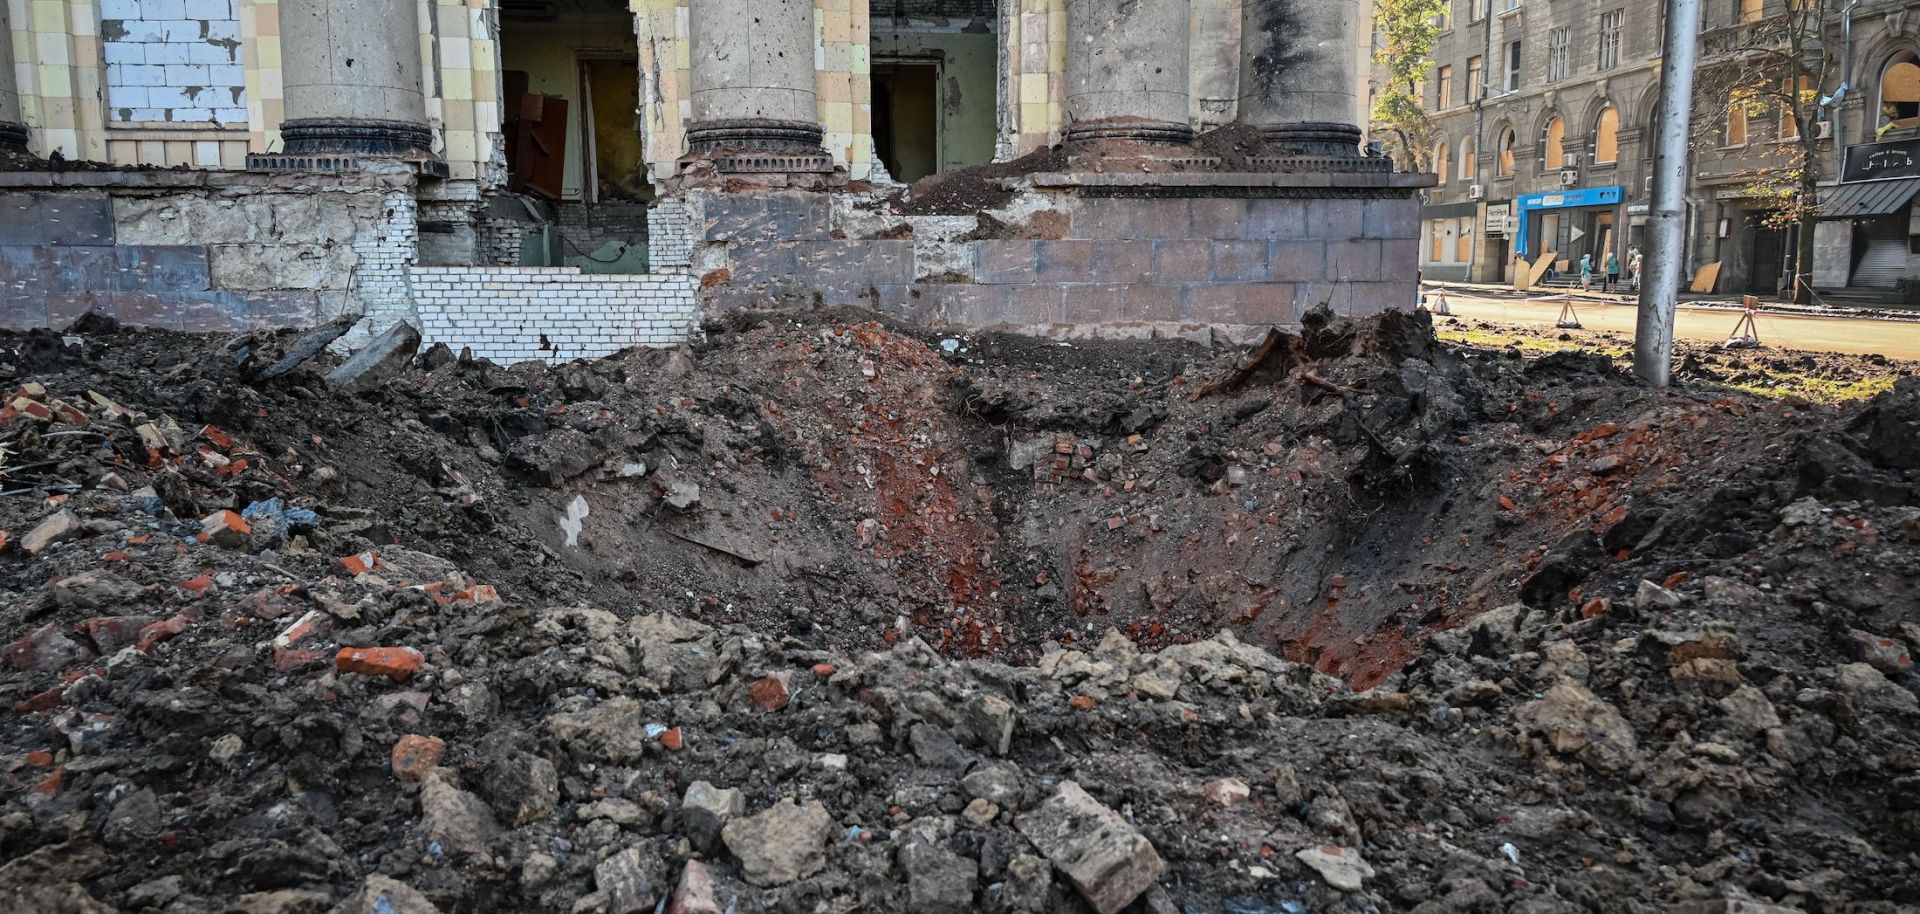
{"x": 1299, "y": 79}
{"x": 752, "y": 76}
{"x": 1127, "y": 70}
{"x": 13, "y": 130}
{"x": 351, "y": 70}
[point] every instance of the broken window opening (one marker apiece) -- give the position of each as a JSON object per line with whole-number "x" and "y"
{"x": 934, "y": 82}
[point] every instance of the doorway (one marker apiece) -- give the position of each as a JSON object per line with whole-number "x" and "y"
{"x": 616, "y": 163}
{"x": 906, "y": 109}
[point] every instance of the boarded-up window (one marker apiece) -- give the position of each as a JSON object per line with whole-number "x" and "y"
{"x": 1469, "y": 151}
{"x": 1553, "y": 152}
{"x": 1442, "y": 163}
{"x": 1606, "y": 136}
{"x": 1505, "y": 156}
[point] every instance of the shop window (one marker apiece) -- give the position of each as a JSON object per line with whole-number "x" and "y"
{"x": 1606, "y": 136}
{"x": 1437, "y": 241}
{"x": 1463, "y": 241}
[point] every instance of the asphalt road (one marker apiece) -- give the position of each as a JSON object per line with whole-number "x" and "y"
{"x": 1858, "y": 336}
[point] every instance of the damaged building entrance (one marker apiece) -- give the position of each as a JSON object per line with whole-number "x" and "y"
{"x": 570, "y": 114}
{"x": 934, "y": 84}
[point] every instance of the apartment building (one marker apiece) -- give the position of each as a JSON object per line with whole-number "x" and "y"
{"x": 1542, "y": 112}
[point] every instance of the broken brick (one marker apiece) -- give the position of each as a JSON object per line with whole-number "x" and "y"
{"x": 361, "y": 563}
{"x": 111, "y": 633}
{"x": 226, "y": 529}
{"x": 199, "y": 585}
{"x": 1081, "y": 702}
{"x": 415, "y": 755}
{"x": 44, "y": 701}
{"x": 673, "y": 740}
{"x": 395, "y": 663}
{"x": 46, "y": 649}
{"x": 770, "y": 693}
{"x": 161, "y": 631}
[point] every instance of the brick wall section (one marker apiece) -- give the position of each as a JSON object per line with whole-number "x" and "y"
{"x": 555, "y": 314}
{"x": 670, "y": 231}
{"x": 1211, "y": 260}
{"x": 383, "y": 251}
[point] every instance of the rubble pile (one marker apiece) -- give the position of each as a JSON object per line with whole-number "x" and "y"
{"x": 827, "y": 616}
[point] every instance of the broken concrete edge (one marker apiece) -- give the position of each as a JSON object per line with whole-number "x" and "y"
{"x": 392, "y": 349}
{"x": 136, "y": 178}
{"x": 1205, "y": 334}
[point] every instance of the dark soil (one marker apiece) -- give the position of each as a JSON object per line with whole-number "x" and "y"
{"x": 1491, "y": 632}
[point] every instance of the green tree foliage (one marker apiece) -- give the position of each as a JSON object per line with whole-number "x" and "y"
{"x": 1405, "y": 31}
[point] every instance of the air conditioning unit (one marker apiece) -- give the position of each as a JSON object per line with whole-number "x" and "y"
{"x": 1476, "y": 191}
{"x": 1826, "y": 130}
{"x": 1569, "y": 177}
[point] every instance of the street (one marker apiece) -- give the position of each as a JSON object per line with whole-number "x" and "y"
{"x": 1857, "y": 336}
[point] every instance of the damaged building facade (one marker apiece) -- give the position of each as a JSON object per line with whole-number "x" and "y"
{"x": 563, "y": 178}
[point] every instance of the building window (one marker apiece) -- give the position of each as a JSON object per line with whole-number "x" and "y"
{"x": 1559, "y": 53}
{"x": 1463, "y": 241}
{"x": 1437, "y": 232}
{"x": 166, "y": 67}
{"x": 1790, "y": 111}
{"x": 1513, "y": 66}
{"x": 1606, "y": 136}
{"x": 1443, "y": 20}
{"x": 1610, "y": 23}
{"x": 1736, "y": 132}
{"x": 1443, "y": 89}
{"x": 1469, "y": 151}
{"x": 1476, "y": 10}
{"x": 1511, "y": 4}
{"x": 1476, "y": 79}
{"x": 1751, "y": 10}
{"x": 1442, "y": 161}
{"x": 1504, "y": 159}
{"x": 1553, "y": 141}
{"x": 1899, "y": 96}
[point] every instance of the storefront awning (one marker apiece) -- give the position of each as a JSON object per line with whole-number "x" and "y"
{"x": 1866, "y": 198}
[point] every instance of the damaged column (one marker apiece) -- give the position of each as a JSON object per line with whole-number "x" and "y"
{"x": 352, "y": 75}
{"x": 752, "y": 80}
{"x": 13, "y": 130}
{"x": 1298, "y": 79}
{"x": 1127, "y": 70}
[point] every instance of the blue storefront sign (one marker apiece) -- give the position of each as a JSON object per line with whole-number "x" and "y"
{"x": 1610, "y": 195}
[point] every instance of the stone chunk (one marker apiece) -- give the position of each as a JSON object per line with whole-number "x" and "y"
{"x": 388, "y": 353}
{"x": 1342, "y": 867}
{"x": 59, "y": 528}
{"x": 385, "y": 895}
{"x": 46, "y": 649}
{"x": 1105, "y": 858}
{"x": 938, "y": 880}
{"x": 225, "y": 529}
{"x": 784, "y": 843}
{"x": 695, "y": 892}
{"x": 452, "y": 817}
{"x": 623, "y": 878}
{"x": 415, "y": 755}
{"x": 94, "y": 589}
{"x": 1576, "y": 722}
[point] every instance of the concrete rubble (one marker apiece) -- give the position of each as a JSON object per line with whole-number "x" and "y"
{"x": 1134, "y": 627}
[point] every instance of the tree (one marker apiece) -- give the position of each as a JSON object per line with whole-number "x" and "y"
{"x": 1774, "y": 65}
{"x": 1406, "y": 31}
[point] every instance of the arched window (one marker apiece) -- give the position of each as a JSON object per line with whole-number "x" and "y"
{"x": 1469, "y": 153}
{"x": 1606, "y": 136}
{"x": 1504, "y": 160}
{"x": 1442, "y": 161}
{"x": 1553, "y": 141}
{"x": 1899, "y": 95}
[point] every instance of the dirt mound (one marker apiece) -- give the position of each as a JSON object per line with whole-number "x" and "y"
{"x": 825, "y": 614}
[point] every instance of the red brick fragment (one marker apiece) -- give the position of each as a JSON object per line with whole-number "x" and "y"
{"x": 111, "y": 633}
{"x": 225, "y": 528}
{"x": 770, "y": 693}
{"x": 395, "y": 663}
{"x": 415, "y": 755}
{"x": 361, "y": 563}
{"x": 162, "y": 630}
{"x": 673, "y": 740}
{"x": 1081, "y": 702}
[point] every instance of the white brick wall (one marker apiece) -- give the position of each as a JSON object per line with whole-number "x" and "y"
{"x": 383, "y": 251}
{"x": 670, "y": 234}
{"x": 173, "y": 61}
{"x": 556, "y": 314}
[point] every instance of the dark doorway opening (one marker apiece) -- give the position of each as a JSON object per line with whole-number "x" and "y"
{"x": 906, "y": 126}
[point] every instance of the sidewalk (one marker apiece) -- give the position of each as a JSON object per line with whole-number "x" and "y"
{"x": 1717, "y": 301}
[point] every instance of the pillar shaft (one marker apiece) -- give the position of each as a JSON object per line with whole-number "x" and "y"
{"x": 752, "y": 75}
{"x": 1299, "y": 79}
{"x": 1127, "y": 69}
{"x": 13, "y": 130}
{"x": 351, "y": 70}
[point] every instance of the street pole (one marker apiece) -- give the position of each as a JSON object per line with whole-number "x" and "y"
{"x": 1667, "y": 215}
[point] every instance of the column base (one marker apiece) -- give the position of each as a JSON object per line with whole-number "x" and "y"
{"x": 361, "y": 136}
{"x": 757, "y": 145}
{"x": 1137, "y": 130}
{"x": 13, "y": 137}
{"x": 1314, "y": 138}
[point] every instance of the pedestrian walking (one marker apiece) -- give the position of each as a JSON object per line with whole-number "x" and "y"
{"x": 1633, "y": 266}
{"x": 1586, "y": 272}
{"x": 1613, "y": 270}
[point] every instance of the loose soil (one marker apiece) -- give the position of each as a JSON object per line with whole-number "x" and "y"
{"x": 1373, "y": 622}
